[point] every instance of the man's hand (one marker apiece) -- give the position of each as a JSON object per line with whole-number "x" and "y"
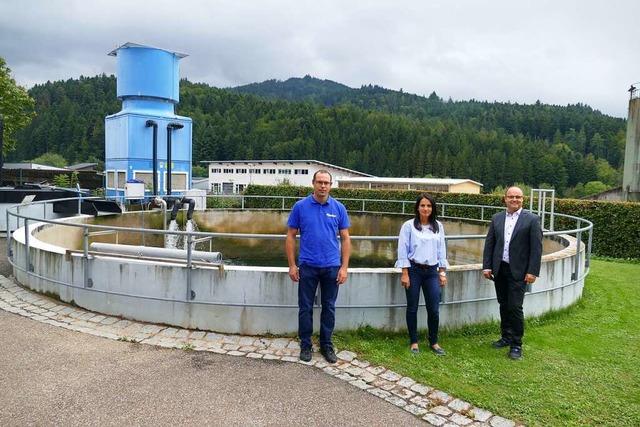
{"x": 487, "y": 274}
{"x": 342, "y": 276}
{"x": 529, "y": 278}
{"x": 294, "y": 273}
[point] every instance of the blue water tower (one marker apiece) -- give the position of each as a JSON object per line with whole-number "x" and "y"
{"x": 146, "y": 141}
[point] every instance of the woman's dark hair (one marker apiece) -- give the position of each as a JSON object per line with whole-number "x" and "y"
{"x": 433, "y": 218}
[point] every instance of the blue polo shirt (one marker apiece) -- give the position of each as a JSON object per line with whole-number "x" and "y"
{"x": 319, "y": 224}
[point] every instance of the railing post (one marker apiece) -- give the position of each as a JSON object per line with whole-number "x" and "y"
{"x": 553, "y": 213}
{"x": 9, "y": 252}
{"x": 576, "y": 270}
{"x": 85, "y": 261}
{"x": 588, "y": 259}
{"x": 190, "y": 293}
{"x": 27, "y": 258}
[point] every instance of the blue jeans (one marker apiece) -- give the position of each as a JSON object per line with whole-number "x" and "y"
{"x": 425, "y": 278}
{"x": 307, "y": 286}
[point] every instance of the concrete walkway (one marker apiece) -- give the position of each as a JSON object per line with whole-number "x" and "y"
{"x": 51, "y": 376}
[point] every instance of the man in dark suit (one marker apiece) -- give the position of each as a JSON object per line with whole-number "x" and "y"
{"x": 512, "y": 256}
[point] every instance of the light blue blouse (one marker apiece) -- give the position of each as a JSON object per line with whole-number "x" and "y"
{"x": 423, "y": 247}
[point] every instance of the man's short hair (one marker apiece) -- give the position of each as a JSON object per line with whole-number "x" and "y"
{"x": 322, "y": 171}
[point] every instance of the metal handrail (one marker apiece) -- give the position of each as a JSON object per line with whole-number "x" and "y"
{"x": 582, "y": 225}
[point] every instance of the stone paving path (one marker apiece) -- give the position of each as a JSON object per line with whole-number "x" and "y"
{"x": 433, "y": 406}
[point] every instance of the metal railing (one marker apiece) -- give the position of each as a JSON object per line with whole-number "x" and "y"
{"x": 190, "y": 237}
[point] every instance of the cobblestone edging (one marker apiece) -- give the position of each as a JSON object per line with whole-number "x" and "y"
{"x": 433, "y": 406}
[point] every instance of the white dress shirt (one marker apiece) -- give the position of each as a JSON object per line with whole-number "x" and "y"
{"x": 509, "y": 224}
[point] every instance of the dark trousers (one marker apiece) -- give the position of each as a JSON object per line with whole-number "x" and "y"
{"x": 425, "y": 278}
{"x": 310, "y": 277}
{"x": 510, "y": 294}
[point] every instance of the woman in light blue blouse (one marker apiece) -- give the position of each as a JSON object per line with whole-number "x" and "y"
{"x": 422, "y": 255}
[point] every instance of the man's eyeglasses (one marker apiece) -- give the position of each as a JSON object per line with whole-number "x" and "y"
{"x": 513, "y": 197}
{"x": 323, "y": 182}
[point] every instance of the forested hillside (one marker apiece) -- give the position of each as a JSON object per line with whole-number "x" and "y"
{"x": 371, "y": 129}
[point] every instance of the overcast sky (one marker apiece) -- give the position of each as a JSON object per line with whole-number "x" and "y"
{"x": 559, "y": 52}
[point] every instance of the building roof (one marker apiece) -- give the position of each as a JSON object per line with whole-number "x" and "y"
{"x": 435, "y": 181}
{"x": 82, "y": 166}
{"x": 291, "y": 162}
{"x": 27, "y": 165}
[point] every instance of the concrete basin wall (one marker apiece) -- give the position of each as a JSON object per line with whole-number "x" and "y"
{"x": 262, "y": 300}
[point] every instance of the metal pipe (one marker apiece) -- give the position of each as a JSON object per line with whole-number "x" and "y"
{"x": 170, "y": 126}
{"x": 152, "y": 252}
{"x": 159, "y": 202}
{"x": 192, "y": 206}
{"x": 155, "y": 154}
{"x": 177, "y": 204}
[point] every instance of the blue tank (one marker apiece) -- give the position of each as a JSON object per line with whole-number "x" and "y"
{"x": 146, "y": 140}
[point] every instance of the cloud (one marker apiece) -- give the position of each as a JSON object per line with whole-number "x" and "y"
{"x": 556, "y": 52}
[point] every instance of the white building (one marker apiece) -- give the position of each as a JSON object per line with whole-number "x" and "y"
{"x": 448, "y": 185}
{"x": 231, "y": 177}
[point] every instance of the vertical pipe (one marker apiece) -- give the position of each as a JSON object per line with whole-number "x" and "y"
{"x": 168, "y": 179}
{"x": 155, "y": 155}
{"x": 170, "y": 126}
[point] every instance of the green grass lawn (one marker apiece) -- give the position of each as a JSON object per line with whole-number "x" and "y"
{"x": 580, "y": 365}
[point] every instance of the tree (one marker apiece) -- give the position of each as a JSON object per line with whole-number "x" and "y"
{"x": 16, "y": 106}
{"x": 199, "y": 171}
{"x": 50, "y": 159}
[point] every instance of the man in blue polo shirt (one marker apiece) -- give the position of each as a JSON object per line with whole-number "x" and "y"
{"x": 322, "y": 260}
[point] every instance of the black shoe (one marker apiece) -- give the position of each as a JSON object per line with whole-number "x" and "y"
{"x": 329, "y": 354}
{"x": 515, "y": 353}
{"x": 439, "y": 351}
{"x": 305, "y": 354}
{"x": 501, "y": 343}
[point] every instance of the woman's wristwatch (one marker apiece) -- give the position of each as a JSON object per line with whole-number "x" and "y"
{"x": 443, "y": 273}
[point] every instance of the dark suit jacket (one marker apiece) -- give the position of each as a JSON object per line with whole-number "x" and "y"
{"x": 525, "y": 249}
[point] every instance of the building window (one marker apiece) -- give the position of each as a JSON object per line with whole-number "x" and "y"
{"x": 241, "y": 171}
{"x": 256, "y": 171}
{"x": 216, "y": 170}
{"x": 216, "y": 188}
{"x": 178, "y": 181}
{"x": 284, "y": 171}
{"x": 228, "y": 171}
{"x": 111, "y": 179}
{"x": 121, "y": 179}
{"x": 301, "y": 172}
{"x": 269, "y": 171}
{"x": 240, "y": 188}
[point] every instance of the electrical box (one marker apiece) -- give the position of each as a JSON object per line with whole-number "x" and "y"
{"x": 134, "y": 189}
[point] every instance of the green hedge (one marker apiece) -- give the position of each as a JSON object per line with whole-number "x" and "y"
{"x": 616, "y": 225}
